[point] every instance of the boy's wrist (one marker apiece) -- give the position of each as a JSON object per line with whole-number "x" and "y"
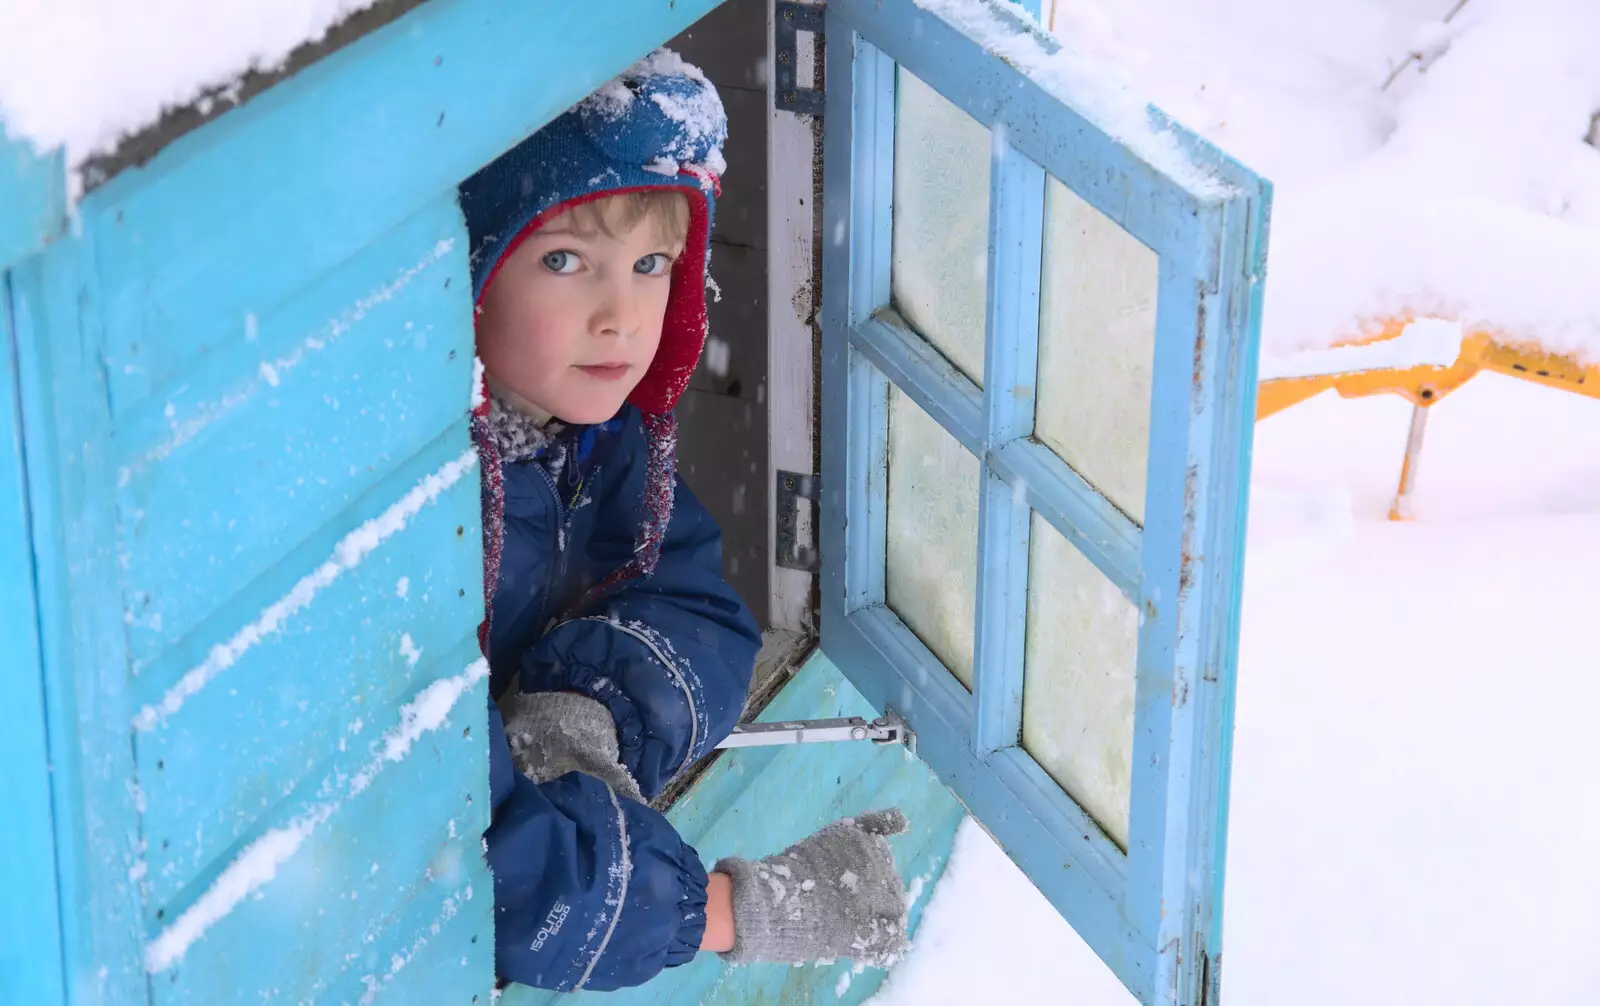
{"x": 719, "y": 934}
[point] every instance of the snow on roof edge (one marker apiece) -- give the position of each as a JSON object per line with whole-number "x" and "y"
{"x": 125, "y": 81}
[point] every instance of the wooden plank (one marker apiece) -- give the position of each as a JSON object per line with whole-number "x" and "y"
{"x": 30, "y": 922}
{"x": 298, "y": 414}
{"x": 1084, "y": 517}
{"x": 33, "y": 198}
{"x": 446, "y": 962}
{"x": 329, "y": 904}
{"x": 756, "y": 801}
{"x": 1244, "y": 293}
{"x": 311, "y": 170}
{"x": 1002, "y": 615}
{"x": 1011, "y": 343}
{"x": 70, "y": 486}
{"x": 863, "y": 474}
{"x": 865, "y": 121}
{"x": 1016, "y": 253}
{"x": 921, "y": 371}
{"x": 313, "y": 663}
{"x": 860, "y": 134}
{"x": 793, "y": 301}
{"x": 1205, "y": 377}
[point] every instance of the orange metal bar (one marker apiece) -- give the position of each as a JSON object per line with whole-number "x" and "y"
{"x": 1425, "y": 385}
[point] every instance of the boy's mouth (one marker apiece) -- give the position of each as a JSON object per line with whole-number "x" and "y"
{"x": 606, "y": 371}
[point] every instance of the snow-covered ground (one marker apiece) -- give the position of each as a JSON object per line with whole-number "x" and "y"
{"x": 1414, "y": 808}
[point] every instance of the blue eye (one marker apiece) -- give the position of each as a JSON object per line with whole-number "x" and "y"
{"x": 652, "y": 265}
{"x": 560, "y": 262}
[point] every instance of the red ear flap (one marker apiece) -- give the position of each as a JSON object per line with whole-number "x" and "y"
{"x": 683, "y": 329}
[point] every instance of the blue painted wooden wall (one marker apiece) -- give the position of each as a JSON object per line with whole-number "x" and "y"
{"x": 239, "y": 530}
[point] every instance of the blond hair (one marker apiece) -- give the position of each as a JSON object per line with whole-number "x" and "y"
{"x": 611, "y": 215}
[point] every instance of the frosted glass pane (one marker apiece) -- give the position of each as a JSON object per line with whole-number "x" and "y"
{"x": 932, "y": 573}
{"x": 1077, "y": 695}
{"x": 941, "y": 222}
{"x": 1097, "y": 337}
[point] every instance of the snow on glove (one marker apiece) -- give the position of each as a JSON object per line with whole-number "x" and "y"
{"x": 835, "y": 894}
{"x": 553, "y": 733}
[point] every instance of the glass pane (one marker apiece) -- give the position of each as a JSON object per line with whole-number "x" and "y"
{"x": 941, "y": 222}
{"x": 932, "y": 575}
{"x": 1077, "y": 694}
{"x": 1097, "y": 338}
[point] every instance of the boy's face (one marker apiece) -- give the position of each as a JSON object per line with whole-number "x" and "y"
{"x": 572, "y": 320}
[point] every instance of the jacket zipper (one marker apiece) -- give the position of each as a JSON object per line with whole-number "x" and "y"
{"x": 558, "y": 554}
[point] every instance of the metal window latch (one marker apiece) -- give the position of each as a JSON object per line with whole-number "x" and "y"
{"x": 886, "y": 729}
{"x": 788, "y": 20}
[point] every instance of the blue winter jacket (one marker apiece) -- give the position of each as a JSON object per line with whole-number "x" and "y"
{"x": 593, "y": 890}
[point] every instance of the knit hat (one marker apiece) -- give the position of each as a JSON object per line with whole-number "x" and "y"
{"x": 659, "y": 126}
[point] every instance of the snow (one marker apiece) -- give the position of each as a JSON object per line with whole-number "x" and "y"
{"x": 257, "y": 865}
{"x": 1425, "y": 342}
{"x": 347, "y": 555}
{"x": 408, "y": 650}
{"x": 1412, "y": 788}
{"x": 85, "y": 73}
{"x": 1097, "y": 86}
{"x": 425, "y": 713}
{"x": 1464, "y": 192}
{"x": 700, "y": 115}
{"x": 253, "y": 868}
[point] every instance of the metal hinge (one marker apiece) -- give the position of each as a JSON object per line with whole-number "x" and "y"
{"x": 792, "y": 488}
{"x": 886, "y": 729}
{"x": 789, "y": 19}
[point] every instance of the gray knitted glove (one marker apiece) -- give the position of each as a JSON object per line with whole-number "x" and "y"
{"x": 553, "y": 733}
{"x": 835, "y": 894}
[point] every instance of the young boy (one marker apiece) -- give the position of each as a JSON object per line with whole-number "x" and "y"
{"x": 618, "y": 653}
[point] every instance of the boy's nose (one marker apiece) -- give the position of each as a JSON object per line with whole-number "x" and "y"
{"x": 617, "y": 313}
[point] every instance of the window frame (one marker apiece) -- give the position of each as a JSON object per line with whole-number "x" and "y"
{"x": 1152, "y": 914}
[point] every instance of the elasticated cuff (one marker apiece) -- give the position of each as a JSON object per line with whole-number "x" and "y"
{"x": 752, "y": 916}
{"x": 691, "y": 908}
